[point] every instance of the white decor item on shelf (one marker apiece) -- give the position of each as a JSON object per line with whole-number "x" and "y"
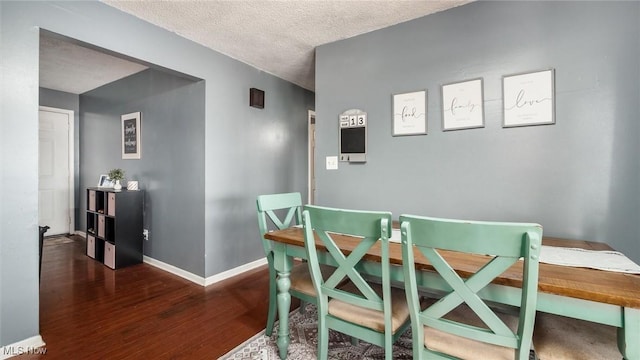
{"x": 132, "y": 185}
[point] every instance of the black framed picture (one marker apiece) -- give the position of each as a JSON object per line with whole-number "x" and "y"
{"x": 131, "y": 135}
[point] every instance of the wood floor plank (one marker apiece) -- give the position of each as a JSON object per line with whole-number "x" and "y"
{"x": 92, "y": 312}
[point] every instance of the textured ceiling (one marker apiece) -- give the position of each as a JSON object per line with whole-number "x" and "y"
{"x": 278, "y": 37}
{"x": 65, "y": 66}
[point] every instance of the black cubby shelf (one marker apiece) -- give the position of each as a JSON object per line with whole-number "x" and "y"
{"x": 114, "y": 226}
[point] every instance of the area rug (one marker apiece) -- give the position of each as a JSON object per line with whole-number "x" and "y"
{"x": 303, "y": 330}
{"x": 304, "y": 343}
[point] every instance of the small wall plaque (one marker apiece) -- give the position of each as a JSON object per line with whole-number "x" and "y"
{"x": 256, "y": 98}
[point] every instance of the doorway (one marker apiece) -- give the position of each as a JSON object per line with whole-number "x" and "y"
{"x": 55, "y": 170}
{"x": 311, "y": 186}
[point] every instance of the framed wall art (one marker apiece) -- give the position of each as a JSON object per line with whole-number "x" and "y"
{"x": 410, "y": 113}
{"x": 131, "y": 135}
{"x": 528, "y": 99}
{"x": 463, "y": 105}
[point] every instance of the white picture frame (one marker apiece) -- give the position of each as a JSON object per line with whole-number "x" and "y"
{"x": 463, "y": 105}
{"x": 529, "y": 99}
{"x": 105, "y": 182}
{"x": 409, "y": 112}
{"x": 131, "y": 146}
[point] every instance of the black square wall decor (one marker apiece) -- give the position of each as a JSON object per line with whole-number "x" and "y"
{"x": 256, "y": 98}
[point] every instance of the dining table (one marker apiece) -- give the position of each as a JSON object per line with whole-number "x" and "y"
{"x": 605, "y": 297}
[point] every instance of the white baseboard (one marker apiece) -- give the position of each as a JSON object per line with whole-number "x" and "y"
{"x": 81, "y": 233}
{"x": 174, "y": 270}
{"x": 235, "y": 271}
{"x": 199, "y": 279}
{"x": 33, "y": 345}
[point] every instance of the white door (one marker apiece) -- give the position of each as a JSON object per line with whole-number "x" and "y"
{"x": 55, "y": 164}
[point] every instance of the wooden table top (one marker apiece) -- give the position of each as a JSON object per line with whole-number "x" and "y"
{"x": 582, "y": 283}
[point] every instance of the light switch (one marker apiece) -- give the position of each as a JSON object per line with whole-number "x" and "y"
{"x": 332, "y": 163}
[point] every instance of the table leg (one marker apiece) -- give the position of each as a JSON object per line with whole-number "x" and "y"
{"x": 629, "y": 335}
{"x": 283, "y": 264}
{"x": 284, "y": 303}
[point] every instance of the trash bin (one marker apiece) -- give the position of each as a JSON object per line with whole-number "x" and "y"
{"x": 43, "y": 229}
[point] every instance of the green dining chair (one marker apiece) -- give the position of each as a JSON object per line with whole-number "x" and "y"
{"x": 371, "y": 311}
{"x": 280, "y": 211}
{"x": 461, "y": 324}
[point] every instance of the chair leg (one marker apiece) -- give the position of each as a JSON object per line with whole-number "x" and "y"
{"x": 523, "y": 353}
{"x": 323, "y": 339}
{"x": 417, "y": 337}
{"x": 273, "y": 309}
{"x": 388, "y": 347}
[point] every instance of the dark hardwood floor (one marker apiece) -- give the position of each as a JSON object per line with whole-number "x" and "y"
{"x": 89, "y": 311}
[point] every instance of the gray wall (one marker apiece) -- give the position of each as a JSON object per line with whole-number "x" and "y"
{"x": 171, "y": 168}
{"x": 257, "y": 152}
{"x": 247, "y": 151}
{"x": 68, "y": 101}
{"x": 578, "y": 178}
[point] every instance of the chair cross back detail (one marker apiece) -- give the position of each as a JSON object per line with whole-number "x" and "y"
{"x": 466, "y": 292}
{"x": 269, "y": 204}
{"x": 505, "y": 244}
{"x": 282, "y": 224}
{"x": 375, "y": 230}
